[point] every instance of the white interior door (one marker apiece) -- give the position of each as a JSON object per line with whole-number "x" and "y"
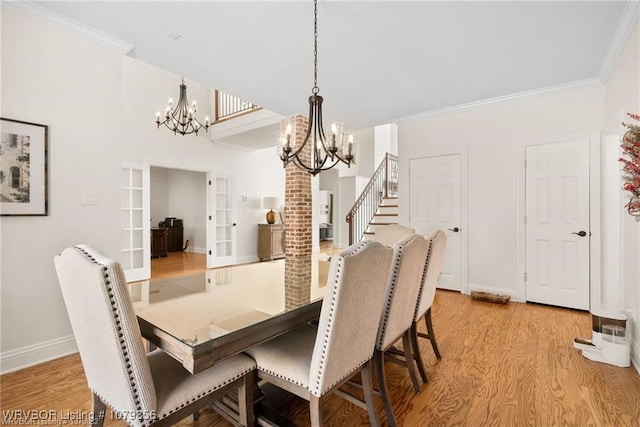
{"x": 135, "y": 222}
{"x": 557, "y": 224}
{"x": 221, "y": 222}
{"x": 435, "y": 204}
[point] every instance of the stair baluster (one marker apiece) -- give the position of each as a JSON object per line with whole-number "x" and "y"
{"x": 383, "y": 183}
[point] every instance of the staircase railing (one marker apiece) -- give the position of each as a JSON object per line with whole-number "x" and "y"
{"x": 228, "y": 106}
{"x": 383, "y": 183}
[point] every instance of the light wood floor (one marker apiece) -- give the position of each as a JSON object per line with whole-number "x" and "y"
{"x": 503, "y": 365}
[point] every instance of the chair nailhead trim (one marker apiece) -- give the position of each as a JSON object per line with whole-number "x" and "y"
{"x": 325, "y": 340}
{"x": 424, "y": 277}
{"x": 392, "y": 288}
{"x": 123, "y": 344}
{"x": 209, "y": 391}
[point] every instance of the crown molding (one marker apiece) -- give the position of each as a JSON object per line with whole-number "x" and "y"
{"x": 520, "y": 96}
{"x": 624, "y": 30}
{"x": 49, "y": 16}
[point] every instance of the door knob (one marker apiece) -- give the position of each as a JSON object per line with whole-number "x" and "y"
{"x": 580, "y": 233}
{"x": 454, "y": 229}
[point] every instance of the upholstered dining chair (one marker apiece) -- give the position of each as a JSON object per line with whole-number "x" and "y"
{"x": 391, "y": 234}
{"x": 142, "y": 389}
{"x": 403, "y": 289}
{"x": 312, "y": 362}
{"x": 437, "y": 242}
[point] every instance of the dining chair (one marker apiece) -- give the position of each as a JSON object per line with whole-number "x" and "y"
{"x": 391, "y": 234}
{"x": 403, "y": 289}
{"x": 141, "y": 389}
{"x": 313, "y": 361}
{"x": 437, "y": 242}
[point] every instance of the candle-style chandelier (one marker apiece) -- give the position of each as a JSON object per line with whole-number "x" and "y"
{"x": 325, "y": 154}
{"x": 182, "y": 119}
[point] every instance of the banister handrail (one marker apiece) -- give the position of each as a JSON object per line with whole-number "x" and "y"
{"x": 383, "y": 183}
{"x": 228, "y": 106}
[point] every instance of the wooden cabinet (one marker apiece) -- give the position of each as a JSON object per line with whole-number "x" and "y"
{"x": 270, "y": 241}
{"x": 159, "y": 242}
{"x": 175, "y": 238}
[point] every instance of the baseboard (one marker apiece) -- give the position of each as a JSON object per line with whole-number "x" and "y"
{"x": 197, "y": 250}
{"x": 513, "y": 293}
{"x": 34, "y": 354}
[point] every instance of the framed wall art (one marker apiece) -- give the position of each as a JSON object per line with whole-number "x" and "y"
{"x": 23, "y": 168}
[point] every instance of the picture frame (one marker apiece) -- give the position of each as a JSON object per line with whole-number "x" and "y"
{"x": 23, "y": 168}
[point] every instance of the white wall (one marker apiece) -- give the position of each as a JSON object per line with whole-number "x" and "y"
{"x": 623, "y": 96}
{"x": 493, "y": 137}
{"x": 100, "y": 108}
{"x": 52, "y": 77}
{"x": 159, "y": 196}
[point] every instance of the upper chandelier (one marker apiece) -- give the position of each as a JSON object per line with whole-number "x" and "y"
{"x": 325, "y": 154}
{"x": 182, "y": 119}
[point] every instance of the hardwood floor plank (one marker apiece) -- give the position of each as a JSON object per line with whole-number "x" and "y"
{"x": 503, "y": 365}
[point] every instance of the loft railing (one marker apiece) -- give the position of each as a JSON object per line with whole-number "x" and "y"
{"x": 383, "y": 183}
{"x": 229, "y": 106}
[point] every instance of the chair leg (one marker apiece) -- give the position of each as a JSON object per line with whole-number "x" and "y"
{"x": 432, "y": 336}
{"x": 315, "y": 410}
{"x": 378, "y": 358}
{"x": 245, "y": 399}
{"x": 367, "y": 389}
{"x": 413, "y": 333}
{"x": 98, "y": 409}
{"x": 409, "y": 360}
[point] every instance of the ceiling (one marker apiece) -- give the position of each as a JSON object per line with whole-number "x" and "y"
{"x": 378, "y": 61}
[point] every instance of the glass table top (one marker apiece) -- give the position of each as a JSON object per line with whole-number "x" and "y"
{"x": 201, "y": 307}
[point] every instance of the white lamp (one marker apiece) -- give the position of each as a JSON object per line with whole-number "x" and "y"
{"x": 271, "y": 203}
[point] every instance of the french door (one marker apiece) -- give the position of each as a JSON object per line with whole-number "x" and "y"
{"x": 135, "y": 256}
{"x": 221, "y": 221}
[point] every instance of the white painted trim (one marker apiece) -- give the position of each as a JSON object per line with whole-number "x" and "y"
{"x": 520, "y": 96}
{"x": 51, "y": 17}
{"x": 195, "y": 250}
{"x": 244, "y": 123}
{"x": 34, "y": 354}
{"x": 513, "y": 294}
{"x": 595, "y": 289}
{"x": 635, "y": 355}
{"x": 464, "y": 247}
{"x": 623, "y": 33}
{"x": 168, "y": 164}
{"x": 595, "y": 223}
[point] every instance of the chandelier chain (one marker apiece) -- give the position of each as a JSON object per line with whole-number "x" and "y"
{"x": 315, "y": 48}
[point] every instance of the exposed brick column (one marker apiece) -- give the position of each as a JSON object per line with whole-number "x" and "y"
{"x": 298, "y": 225}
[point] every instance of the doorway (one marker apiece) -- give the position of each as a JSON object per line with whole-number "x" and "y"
{"x": 178, "y": 202}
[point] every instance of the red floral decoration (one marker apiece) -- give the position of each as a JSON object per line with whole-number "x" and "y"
{"x": 631, "y": 165}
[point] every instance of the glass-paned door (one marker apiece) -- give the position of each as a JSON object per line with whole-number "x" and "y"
{"x": 221, "y": 224}
{"x": 135, "y": 220}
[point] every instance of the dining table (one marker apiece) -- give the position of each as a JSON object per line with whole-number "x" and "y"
{"x": 201, "y": 318}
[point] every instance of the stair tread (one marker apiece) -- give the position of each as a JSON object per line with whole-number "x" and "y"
{"x": 386, "y": 214}
{"x": 382, "y": 223}
{"x": 387, "y": 206}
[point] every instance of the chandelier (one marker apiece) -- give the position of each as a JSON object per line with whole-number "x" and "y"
{"x": 182, "y": 119}
{"x": 325, "y": 154}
